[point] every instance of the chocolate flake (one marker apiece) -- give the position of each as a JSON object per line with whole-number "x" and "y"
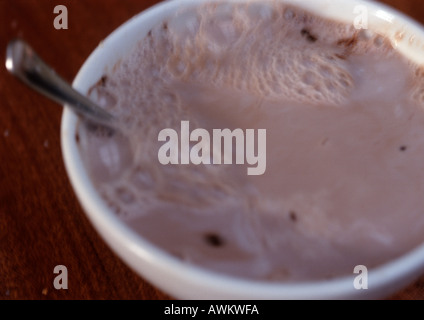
{"x": 307, "y": 34}
{"x": 293, "y": 216}
{"x": 348, "y": 42}
{"x": 214, "y": 240}
{"x": 103, "y": 80}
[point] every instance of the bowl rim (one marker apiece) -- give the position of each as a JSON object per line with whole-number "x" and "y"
{"x": 130, "y": 246}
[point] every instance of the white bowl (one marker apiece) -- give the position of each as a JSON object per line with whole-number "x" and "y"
{"x": 185, "y": 281}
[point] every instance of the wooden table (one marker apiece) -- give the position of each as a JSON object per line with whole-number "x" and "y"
{"x": 41, "y": 222}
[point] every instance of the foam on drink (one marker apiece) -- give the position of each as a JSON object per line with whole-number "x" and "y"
{"x": 345, "y": 130}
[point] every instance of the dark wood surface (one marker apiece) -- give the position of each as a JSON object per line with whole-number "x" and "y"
{"x": 41, "y": 223}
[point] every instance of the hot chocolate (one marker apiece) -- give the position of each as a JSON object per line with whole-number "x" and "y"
{"x": 343, "y": 113}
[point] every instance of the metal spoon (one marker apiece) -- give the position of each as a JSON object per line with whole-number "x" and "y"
{"x": 23, "y": 62}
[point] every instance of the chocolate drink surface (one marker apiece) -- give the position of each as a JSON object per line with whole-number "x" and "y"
{"x": 344, "y": 120}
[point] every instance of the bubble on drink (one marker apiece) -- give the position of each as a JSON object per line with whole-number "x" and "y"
{"x": 345, "y": 132}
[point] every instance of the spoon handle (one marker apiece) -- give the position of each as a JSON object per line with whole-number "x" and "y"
{"x": 24, "y": 63}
